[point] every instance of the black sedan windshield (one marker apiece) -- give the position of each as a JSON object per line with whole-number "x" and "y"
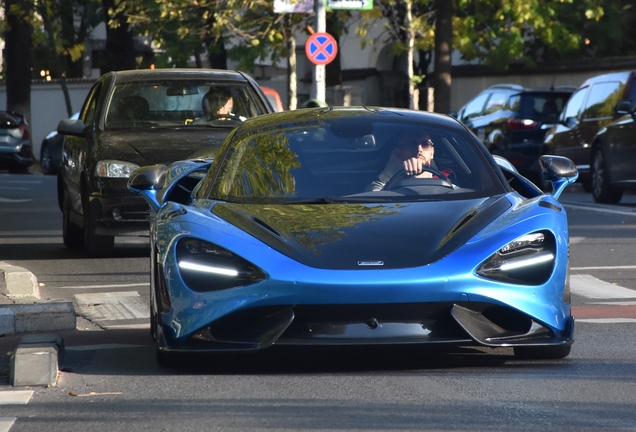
{"x": 170, "y": 103}
{"x": 346, "y": 157}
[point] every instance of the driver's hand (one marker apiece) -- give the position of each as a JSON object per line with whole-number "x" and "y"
{"x": 414, "y": 167}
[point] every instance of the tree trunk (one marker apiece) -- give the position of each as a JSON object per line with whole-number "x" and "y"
{"x": 292, "y": 80}
{"x": 333, "y": 70}
{"x": 17, "y": 53}
{"x": 57, "y": 61}
{"x": 410, "y": 41}
{"x": 120, "y": 43}
{"x": 217, "y": 55}
{"x": 443, "y": 51}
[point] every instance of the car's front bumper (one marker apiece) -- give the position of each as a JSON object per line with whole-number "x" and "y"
{"x": 116, "y": 211}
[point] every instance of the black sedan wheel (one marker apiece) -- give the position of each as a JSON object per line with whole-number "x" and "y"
{"x": 95, "y": 245}
{"x": 46, "y": 162}
{"x": 72, "y": 235}
{"x": 602, "y": 191}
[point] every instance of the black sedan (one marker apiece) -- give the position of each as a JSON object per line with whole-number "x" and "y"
{"x": 136, "y": 118}
{"x": 613, "y": 156}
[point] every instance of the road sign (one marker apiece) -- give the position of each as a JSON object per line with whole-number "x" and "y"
{"x": 321, "y": 48}
{"x": 350, "y": 4}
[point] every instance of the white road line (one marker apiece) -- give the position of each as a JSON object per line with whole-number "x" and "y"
{"x": 588, "y": 286}
{"x": 606, "y": 320}
{"x": 19, "y": 397}
{"x": 627, "y": 267}
{"x": 145, "y": 284}
{"x": 127, "y": 327}
{"x": 6, "y": 423}
{"x": 9, "y": 200}
{"x": 602, "y": 210}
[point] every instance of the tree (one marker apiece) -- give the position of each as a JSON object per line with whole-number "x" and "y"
{"x": 493, "y": 32}
{"x": 18, "y": 42}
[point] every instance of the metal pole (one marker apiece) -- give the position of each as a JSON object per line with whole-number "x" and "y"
{"x": 318, "y": 90}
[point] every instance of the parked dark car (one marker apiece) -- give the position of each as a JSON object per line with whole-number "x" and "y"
{"x": 591, "y": 108}
{"x": 132, "y": 119}
{"x": 51, "y": 150}
{"x": 512, "y": 121}
{"x": 15, "y": 142}
{"x": 613, "y": 160}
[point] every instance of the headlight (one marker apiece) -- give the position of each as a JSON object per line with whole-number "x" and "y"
{"x": 114, "y": 169}
{"x": 528, "y": 260}
{"x": 204, "y": 266}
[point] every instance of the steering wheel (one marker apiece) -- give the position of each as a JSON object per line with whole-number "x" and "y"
{"x": 396, "y": 179}
{"x": 228, "y": 116}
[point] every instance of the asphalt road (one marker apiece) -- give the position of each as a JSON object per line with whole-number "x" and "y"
{"x": 109, "y": 380}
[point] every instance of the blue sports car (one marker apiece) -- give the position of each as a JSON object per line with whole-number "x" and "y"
{"x": 356, "y": 226}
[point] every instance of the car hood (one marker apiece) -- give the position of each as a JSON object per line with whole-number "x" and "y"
{"x": 159, "y": 146}
{"x": 365, "y": 236}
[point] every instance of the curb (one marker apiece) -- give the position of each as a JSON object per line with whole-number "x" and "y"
{"x": 21, "y": 310}
{"x": 36, "y": 360}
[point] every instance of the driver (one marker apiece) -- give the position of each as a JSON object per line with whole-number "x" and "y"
{"x": 218, "y": 102}
{"x": 413, "y": 152}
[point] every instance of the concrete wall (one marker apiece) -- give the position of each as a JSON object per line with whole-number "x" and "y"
{"x": 48, "y": 106}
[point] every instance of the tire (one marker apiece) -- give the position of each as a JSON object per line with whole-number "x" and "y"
{"x": 545, "y": 352}
{"x": 72, "y": 235}
{"x": 45, "y": 160}
{"x": 602, "y": 191}
{"x": 95, "y": 245}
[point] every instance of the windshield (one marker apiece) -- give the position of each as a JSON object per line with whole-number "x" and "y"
{"x": 181, "y": 103}
{"x": 344, "y": 160}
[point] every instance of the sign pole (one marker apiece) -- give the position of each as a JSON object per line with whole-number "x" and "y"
{"x": 318, "y": 90}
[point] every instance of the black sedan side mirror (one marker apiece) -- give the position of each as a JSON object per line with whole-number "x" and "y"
{"x": 71, "y": 127}
{"x": 623, "y": 107}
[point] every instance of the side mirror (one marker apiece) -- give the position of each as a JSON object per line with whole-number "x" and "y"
{"x": 71, "y": 127}
{"x": 559, "y": 170}
{"x": 571, "y": 122}
{"x": 147, "y": 178}
{"x": 623, "y": 107}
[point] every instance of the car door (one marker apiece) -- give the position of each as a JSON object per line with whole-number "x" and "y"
{"x": 597, "y": 113}
{"x": 564, "y": 137}
{"x": 76, "y": 149}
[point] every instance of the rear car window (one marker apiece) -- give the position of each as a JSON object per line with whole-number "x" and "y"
{"x": 540, "y": 106}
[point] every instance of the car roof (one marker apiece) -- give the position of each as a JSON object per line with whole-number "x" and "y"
{"x": 520, "y": 89}
{"x": 351, "y": 113}
{"x": 623, "y": 77}
{"x": 176, "y": 73}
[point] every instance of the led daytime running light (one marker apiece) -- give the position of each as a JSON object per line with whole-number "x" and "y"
{"x": 527, "y": 262}
{"x": 207, "y": 269}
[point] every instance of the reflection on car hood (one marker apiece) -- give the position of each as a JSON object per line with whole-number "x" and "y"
{"x": 365, "y": 236}
{"x": 154, "y": 146}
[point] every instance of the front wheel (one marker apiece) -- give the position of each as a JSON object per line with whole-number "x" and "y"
{"x": 602, "y": 191}
{"x": 96, "y": 245}
{"x": 545, "y": 352}
{"x": 72, "y": 235}
{"x": 46, "y": 162}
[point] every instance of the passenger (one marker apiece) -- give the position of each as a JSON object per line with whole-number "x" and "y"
{"x": 414, "y": 151}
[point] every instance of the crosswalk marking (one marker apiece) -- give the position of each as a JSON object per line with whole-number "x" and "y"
{"x": 19, "y": 397}
{"x": 6, "y": 423}
{"x": 590, "y": 287}
{"x": 112, "y": 306}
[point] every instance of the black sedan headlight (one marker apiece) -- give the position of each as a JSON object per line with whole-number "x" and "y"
{"x": 528, "y": 260}
{"x": 204, "y": 266}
